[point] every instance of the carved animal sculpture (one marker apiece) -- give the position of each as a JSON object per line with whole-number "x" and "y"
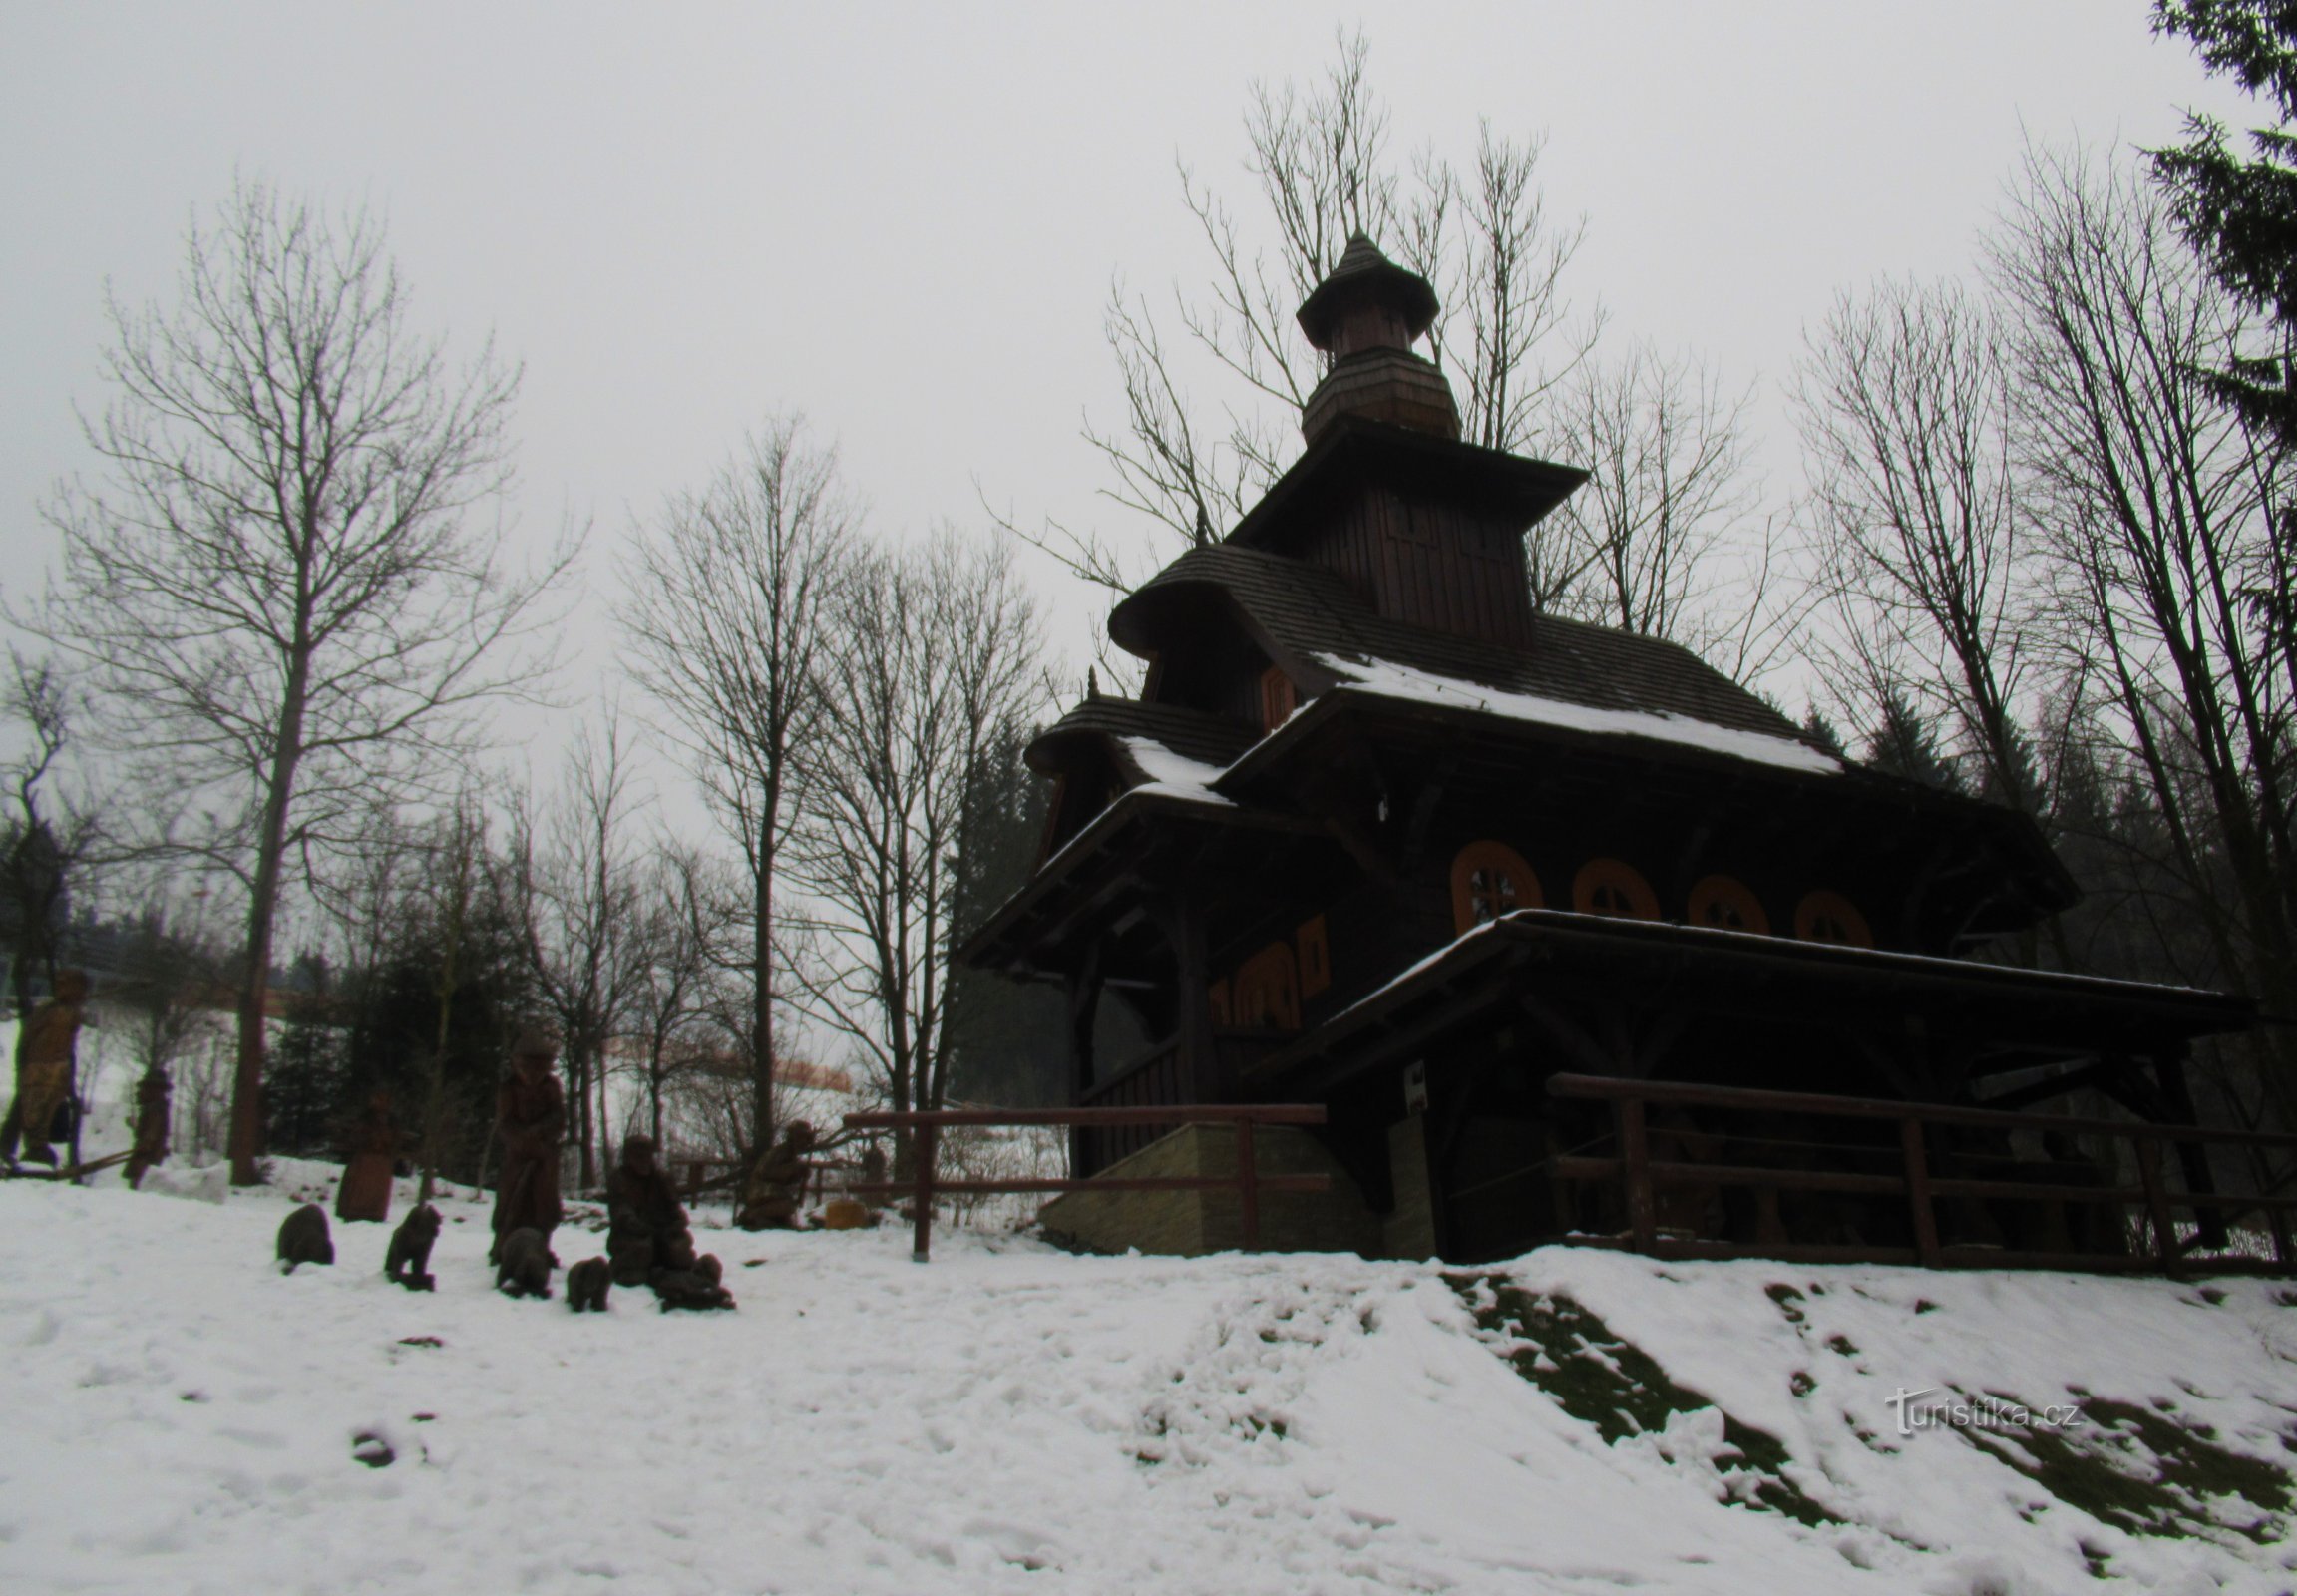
{"x": 524, "y": 1270}
{"x": 588, "y": 1284}
{"x": 409, "y": 1260}
{"x": 697, "y": 1287}
{"x": 303, "y": 1239}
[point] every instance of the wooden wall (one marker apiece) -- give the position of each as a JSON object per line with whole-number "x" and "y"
{"x": 1431, "y": 564}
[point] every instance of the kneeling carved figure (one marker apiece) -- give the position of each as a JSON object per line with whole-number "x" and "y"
{"x": 524, "y": 1270}
{"x": 776, "y": 1182}
{"x": 648, "y": 1242}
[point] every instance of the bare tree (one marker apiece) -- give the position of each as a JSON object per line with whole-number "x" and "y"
{"x": 1321, "y": 173}
{"x": 726, "y": 618}
{"x": 586, "y": 926}
{"x": 1919, "y": 515}
{"x": 2159, "y": 508}
{"x": 170, "y": 972}
{"x": 935, "y": 654}
{"x": 456, "y": 879}
{"x": 1669, "y": 537}
{"x": 1504, "y": 282}
{"x": 49, "y": 841}
{"x": 670, "y": 1006}
{"x": 277, "y": 590}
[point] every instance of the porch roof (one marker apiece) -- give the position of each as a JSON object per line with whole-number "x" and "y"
{"x": 1532, "y": 956}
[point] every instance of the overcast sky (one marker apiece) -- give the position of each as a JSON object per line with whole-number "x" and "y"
{"x": 903, "y": 221}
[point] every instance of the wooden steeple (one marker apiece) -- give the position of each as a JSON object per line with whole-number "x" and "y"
{"x": 1367, "y": 315}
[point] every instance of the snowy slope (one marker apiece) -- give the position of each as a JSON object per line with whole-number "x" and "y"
{"x": 179, "y": 1418}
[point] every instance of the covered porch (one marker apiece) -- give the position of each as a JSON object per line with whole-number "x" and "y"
{"x": 1439, "y": 1082}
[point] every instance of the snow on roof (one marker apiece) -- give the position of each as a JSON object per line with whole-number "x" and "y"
{"x": 1174, "y": 775}
{"x": 1893, "y": 958}
{"x": 1170, "y": 775}
{"x": 1391, "y": 681}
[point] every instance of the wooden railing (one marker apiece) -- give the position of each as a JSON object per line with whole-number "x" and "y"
{"x": 697, "y": 1178}
{"x": 1248, "y": 1182}
{"x": 1923, "y": 1179}
{"x": 1150, "y": 1082}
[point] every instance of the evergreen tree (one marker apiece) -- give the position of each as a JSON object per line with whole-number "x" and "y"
{"x": 1006, "y": 1044}
{"x": 2241, "y": 214}
{"x": 1905, "y": 743}
{"x": 304, "y": 1081}
{"x": 1821, "y": 731}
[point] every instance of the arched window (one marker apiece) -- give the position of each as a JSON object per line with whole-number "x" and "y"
{"x": 1830, "y": 917}
{"x": 1491, "y": 879}
{"x": 1725, "y": 903}
{"x": 1267, "y": 990}
{"x": 1613, "y": 887}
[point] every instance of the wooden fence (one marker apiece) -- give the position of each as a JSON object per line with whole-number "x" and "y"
{"x": 1930, "y": 1170}
{"x": 1246, "y": 1182}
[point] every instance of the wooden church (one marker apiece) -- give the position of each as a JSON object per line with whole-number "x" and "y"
{"x": 1378, "y": 835}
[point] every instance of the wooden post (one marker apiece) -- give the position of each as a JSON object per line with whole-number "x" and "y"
{"x": 921, "y": 1248}
{"x": 2157, "y": 1202}
{"x": 1634, "y": 1161}
{"x": 1248, "y": 1185}
{"x": 1918, "y": 1191}
{"x": 1197, "y": 1073}
{"x": 2192, "y": 1156}
{"x": 2278, "y": 1222}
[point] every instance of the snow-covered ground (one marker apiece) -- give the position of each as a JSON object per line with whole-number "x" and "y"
{"x": 179, "y": 1418}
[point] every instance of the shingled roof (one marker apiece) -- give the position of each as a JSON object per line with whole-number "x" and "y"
{"x": 1310, "y": 611}
{"x": 1192, "y": 734}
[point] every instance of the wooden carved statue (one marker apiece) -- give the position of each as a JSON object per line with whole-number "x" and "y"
{"x": 44, "y": 1059}
{"x": 531, "y": 1118}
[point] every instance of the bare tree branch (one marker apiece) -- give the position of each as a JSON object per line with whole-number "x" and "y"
{"x": 278, "y": 590}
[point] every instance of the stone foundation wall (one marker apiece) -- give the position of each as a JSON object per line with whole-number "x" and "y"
{"x": 1192, "y": 1223}
{"x": 1410, "y": 1231}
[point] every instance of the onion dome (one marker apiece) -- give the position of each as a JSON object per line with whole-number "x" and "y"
{"x": 1367, "y": 315}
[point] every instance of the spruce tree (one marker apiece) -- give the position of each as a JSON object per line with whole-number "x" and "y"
{"x": 2240, "y": 213}
{"x": 1905, "y": 743}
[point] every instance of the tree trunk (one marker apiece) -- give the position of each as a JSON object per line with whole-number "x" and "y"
{"x": 246, "y": 1135}
{"x": 762, "y": 1000}
{"x": 579, "y": 1088}
{"x": 605, "y": 1125}
{"x": 654, "y": 1094}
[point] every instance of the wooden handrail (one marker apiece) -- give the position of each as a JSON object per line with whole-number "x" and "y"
{"x": 1248, "y": 1182}
{"x": 1133, "y": 1072}
{"x": 1639, "y": 1175}
{"x": 1608, "y": 1089}
{"x": 1179, "y": 1114}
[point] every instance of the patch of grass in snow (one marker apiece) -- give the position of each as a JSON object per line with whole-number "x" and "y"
{"x": 1615, "y": 1385}
{"x": 2149, "y": 1472}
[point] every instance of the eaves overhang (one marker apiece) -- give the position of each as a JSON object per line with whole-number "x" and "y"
{"x": 1491, "y": 963}
{"x": 1107, "y": 839}
{"x": 1295, "y": 741}
{"x": 1524, "y": 488}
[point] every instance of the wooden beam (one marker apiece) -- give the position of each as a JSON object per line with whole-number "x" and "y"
{"x": 2040, "y": 1091}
